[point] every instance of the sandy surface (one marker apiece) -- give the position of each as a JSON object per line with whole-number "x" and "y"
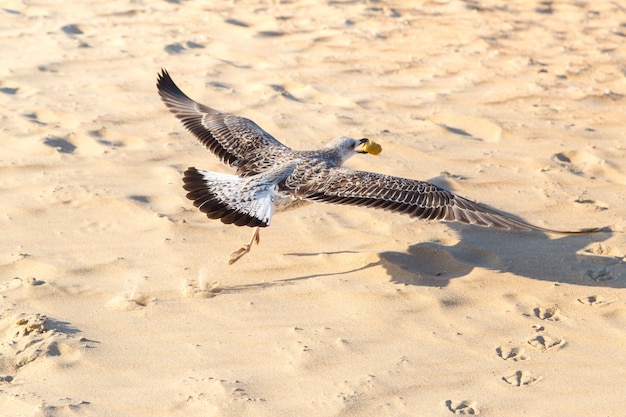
{"x": 116, "y": 295}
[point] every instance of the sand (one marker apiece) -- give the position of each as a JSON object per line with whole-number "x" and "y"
{"x": 116, "y": 295}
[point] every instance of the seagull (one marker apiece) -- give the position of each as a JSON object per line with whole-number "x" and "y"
{"x": 271, "y": 177}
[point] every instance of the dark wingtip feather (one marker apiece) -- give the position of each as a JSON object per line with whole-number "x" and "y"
{"x": 168, "y": 88}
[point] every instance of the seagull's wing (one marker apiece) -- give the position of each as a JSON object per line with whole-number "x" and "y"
{"x": 233, "y": 139}
{"x": 415, "y": 198}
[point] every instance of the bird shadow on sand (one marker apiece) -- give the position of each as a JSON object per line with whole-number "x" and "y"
{"x": 529, "y": 254}
{"x": 287, "y": 281}
{"x": 535, "y": 255}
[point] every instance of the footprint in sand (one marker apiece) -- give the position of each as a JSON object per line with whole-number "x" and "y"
{"x": 64, "y": 407}
{"x": 18, "y": 282}
{"x": 177, "y": 48}
{"x": 551, "y": 313}
{"x": 199, "y": 394}
{"x": 601, "y": 249}
{"x": 44, "y": 117}
{"x": 511, "y": 353}
{"x": 603, "y": 274}
{"x": 320, "y": 346}
{"x": 99, "y": 140}
{"x": 75, "y": 31}
{"x": 285, "y": 93}
{"x": 463, "y": 408}
{"x": 588, "y": 164}
{"x": 522, "y": 379}
{"x": 599, "y": 205}
{"x": 594, "y": 301}
{"x": 62, "y": 145}
{"x": 9, "y": 90}
{"x": 544, "y": 343}
{"x": 6, "y": 378}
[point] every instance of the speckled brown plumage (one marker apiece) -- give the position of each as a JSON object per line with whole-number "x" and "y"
{"x": 273, "y": 177}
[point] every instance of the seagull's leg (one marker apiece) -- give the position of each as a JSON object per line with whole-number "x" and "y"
{"x": 236, "y": 255}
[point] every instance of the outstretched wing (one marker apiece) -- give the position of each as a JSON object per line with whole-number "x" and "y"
{"x": 233, "y": 139}
{"x": 415, "y": 198}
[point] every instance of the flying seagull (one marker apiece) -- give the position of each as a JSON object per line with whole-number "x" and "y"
{"x": 273, "y": 177}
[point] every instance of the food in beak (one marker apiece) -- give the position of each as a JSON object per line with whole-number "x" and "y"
{"x": 372, "y": 147}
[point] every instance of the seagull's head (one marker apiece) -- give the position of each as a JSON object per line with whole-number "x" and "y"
{"x": 344, "y": 147}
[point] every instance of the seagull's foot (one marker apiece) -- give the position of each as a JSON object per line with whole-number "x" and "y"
{"x": 238, "y": 254}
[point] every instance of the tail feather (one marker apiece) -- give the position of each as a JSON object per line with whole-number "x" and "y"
{"x": 235, "y": 200}
{"x": 223, "y": 196}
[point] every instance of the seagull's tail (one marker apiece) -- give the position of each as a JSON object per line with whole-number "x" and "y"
{"x": 221, "y": 196}
{"x": 241, "y": 201}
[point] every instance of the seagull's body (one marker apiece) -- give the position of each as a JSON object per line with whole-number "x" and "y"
{"x": 273, "y": 177}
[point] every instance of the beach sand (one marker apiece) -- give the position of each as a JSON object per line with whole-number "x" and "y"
{"x": 116, "y": 294}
